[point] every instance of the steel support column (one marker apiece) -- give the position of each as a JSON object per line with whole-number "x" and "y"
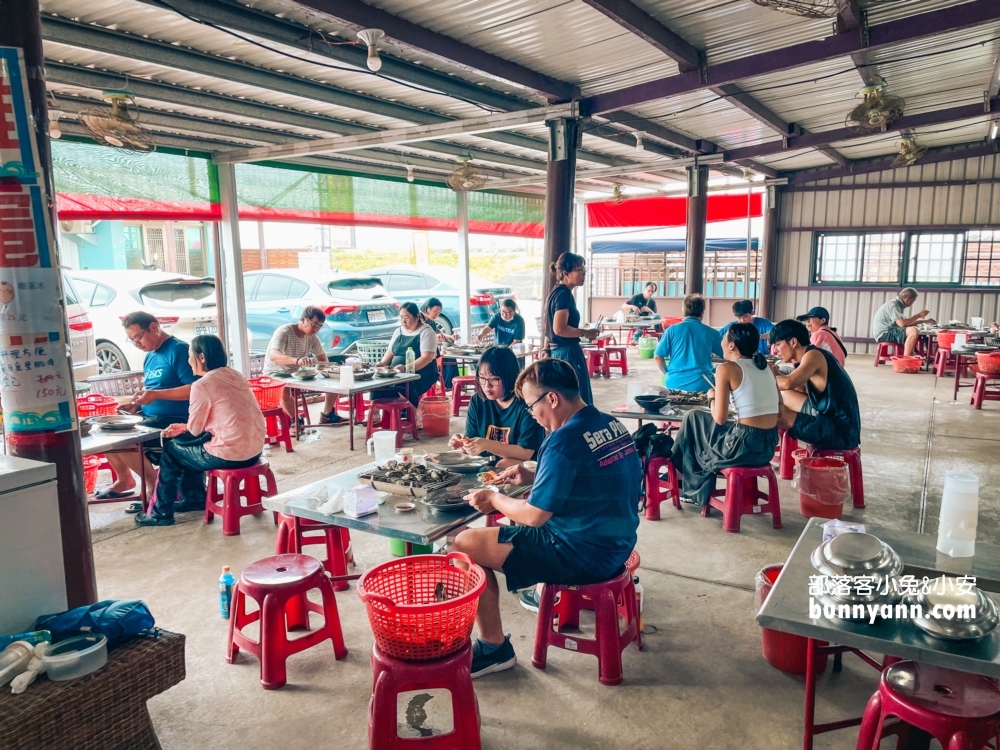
{"x": 560, "y": 181}
{"x": 769, "y": 253}
{"x": 233, "y": 298}
{"x": 464, "y": 284}
{"x": 21, "y": 28}
{"x": 697, "y": 220}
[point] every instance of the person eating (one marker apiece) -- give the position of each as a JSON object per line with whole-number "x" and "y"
{"x": 296, "y": 345}
{"x": 413, "y": 333}
{"x": 430, "y": 311}
{"x": 562, "y": 319}
{"x": 224, "y": 429}
{"x": 498, "y": 424}
{"x": 823, "y": 337}
{"x": 708, "y": 442}
{"x": 507, "y": 325}
{"x": 641, "y": 304}
{"x": 890, "y": 324}
{"x": 689, "y": 345}
{"x": 744, "y": 313}
{"x": 579, "y": 524}
{"x": 819, "y": 405}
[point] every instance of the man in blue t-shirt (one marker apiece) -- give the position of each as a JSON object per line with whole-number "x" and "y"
{"x": 743, "y": 312}
{"x": 167, "y": 379}
{"x": 689, "y": 345}
{"x": 578, "y": 525}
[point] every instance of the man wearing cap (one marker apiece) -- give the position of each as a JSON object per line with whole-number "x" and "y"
{"x": 743, "y": 311}
{"x": 889, "y": 323}
{"x": 821, "y": 335}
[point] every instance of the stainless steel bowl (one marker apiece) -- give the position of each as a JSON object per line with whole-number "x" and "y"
{"x": 457, "y": 461}
{"x": 853, "y": 555}
{"x": 987, "y": 614}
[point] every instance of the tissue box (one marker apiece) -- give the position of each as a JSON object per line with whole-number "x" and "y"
{"x": 361, "y": 501}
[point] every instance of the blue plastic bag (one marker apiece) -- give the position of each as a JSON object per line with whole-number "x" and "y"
{"x": 115, "y": 619}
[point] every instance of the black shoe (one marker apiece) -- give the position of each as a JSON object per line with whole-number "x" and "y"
{"x": 331, "y": 418}
{"x": 141, "y": 519}
{"x": 501, "y": 659}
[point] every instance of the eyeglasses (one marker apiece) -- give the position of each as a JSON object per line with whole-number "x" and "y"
{"x": 531, "y": 406}
{"x": 138, "y": 339}
{"x": 314, "y": 324}
{"x": 492, "y": 382}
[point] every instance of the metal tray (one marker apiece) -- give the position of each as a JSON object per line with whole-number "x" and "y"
{"x": 378, "y": 480}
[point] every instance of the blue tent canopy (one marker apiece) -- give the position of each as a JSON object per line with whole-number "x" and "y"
{"x": 666, "y": 246}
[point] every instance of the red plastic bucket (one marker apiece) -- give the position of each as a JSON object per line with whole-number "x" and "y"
{"x": 783, "y": 651}
{"x": 824, "y": 484}
{"x": 435, "y": 414}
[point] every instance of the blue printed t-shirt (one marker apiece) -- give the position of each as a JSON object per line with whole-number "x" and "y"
{"x": 167, "y": 367}
{"x": 689, "y": 345}
{"x": 561, "y": 298}
{"x": 506, "y": 332}
{"x": 588, "y": 479}
{"x": 763, "y": 326}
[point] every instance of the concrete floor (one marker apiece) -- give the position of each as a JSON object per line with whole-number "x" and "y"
{"x": 701, "y": 681}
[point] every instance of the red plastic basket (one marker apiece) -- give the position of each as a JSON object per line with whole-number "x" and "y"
{"x": 908, "y": 364}
{"x": 90, "y": 466}
{"x": 667, "y": 322}
{"x": 408, "y": 621}
{"x": 267, "y": 391}
{"x": 989, "y": 363}
{"x": 946, "y": 338}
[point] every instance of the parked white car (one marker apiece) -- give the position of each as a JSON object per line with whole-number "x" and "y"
{"x": 81, "y": 333}
{"x": 184, "y": 305}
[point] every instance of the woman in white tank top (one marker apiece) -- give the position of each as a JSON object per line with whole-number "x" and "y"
{"x": 709, "y": 441}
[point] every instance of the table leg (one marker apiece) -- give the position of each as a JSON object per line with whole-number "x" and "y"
{"x": 810, "y": 707}
{"x": 350, "y": 417}
{"x": 408, "y": 548}
{"x": 146, "y": 505}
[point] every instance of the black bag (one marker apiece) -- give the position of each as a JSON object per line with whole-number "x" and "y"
{"x": 650, "y": 442}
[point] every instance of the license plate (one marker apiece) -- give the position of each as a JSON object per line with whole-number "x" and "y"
{"x": 376, "y": 316}
{"x": 203, "y": 330}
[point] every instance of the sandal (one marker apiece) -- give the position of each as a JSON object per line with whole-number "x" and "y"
{"x": 134, "y": 508}
{"x": 113, "y": 495}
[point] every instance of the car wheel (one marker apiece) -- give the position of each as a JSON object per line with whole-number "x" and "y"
{"x": 110, "y": 358}
{"x": 446, "y": 326}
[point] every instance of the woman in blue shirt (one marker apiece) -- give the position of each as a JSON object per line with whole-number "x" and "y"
{"x": 562, "y": 319}
{"x": 689, "y": 345}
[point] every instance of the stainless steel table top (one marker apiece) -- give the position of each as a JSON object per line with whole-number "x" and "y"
{"x": 103, "y": 441}
{"x": 332, "y": 385}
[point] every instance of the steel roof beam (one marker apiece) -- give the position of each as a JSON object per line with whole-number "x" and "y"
{"x": 898, "y": 31}
{"x": 601, "y": 172}
{"x": 993, "y": 85}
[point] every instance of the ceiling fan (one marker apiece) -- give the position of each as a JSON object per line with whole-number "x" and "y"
{"x": 118, "y": 127}
{"x": 909, "y": 153}
{"x": 466, "y": 177}
{"x": 876, "y": 112}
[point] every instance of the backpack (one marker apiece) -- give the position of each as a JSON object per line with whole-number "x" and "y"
{"x": 650, "y": 443}
{"x": 117, "y": 620}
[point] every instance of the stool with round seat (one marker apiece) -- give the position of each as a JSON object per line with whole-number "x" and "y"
{"x": 391, "y": 676}
{"x": 279, "y": 585}
{"x": 852, "y": 458}
{"x": 617, "y": 359}
{"x": 559, "y": 607}
{"x": 742, "y": 496}
{"x": 396, "y": 414}
{"x": 597, "y": 362}
{"x": 886, "y": 350}
{"x": 241, "y": 494}
{"x": 786, "y": 461}
{"x": 958, "y": 709}
{"x": 463, "y": 388}
{"x": 278, "y": 428}
{"x": 983, "y": 390}
{"x": 294, "y": 533}
{"x": 659, "y": 489}
{"x": 944, "y": 361}
{"x": 343, "y": 403}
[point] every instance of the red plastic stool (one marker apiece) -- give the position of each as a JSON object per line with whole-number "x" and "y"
{"x": 391, "y": 676}
{"x": 610, "y": 600}
{"x": 742, "y": 496}
{"x": 597, "y": 362}
{"x": 343, "y": 404}
{"x": 295, "y": 533}
{"x": 886, "y": 350}
{"x": 983, "y": 391}
{"x": 660, "y": 489}
{"x": 617, "y": 359}
{"x": 238, "y": 485}
{"x": 852, "y": 458}
{"x": 943, "y": 361}
{"x": 279, "y": 585}
{"x": 958, "y": 709}
{"x": 397, "y": 414}
{"x": 279, "y": 428}
{"x": 786, "y": 461}
{"x": 460, "y": 392}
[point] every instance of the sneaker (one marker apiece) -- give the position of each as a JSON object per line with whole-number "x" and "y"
{"x": 501, "y": 659}
{"x": 529, "y": 600}
{"x": 141, "y": 519}
{"x": 331, "y": 418}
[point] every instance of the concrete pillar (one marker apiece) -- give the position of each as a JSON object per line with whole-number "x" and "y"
{"x": 560, "y": 181}
{"x": 769, "y": 252}
{"x": 464, "y": 285}
{"x": 231, "y": 273}
{"x": 697, "y": 219}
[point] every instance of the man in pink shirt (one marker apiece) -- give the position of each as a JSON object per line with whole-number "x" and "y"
{"x": 821, "y": 335}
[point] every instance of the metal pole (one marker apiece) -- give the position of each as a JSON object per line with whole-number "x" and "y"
{"x": 584, "y": 299}
{"x": 746, "y": 279}
{"x": 21, "y": 28}
{"x": 464, "y": 284}
{"x": 234, "y": 305}
{"x": 220, "y": 297}
{"x": 697, "y": 218}
{"x": 560, "y": 179}
{"x": 262, "y": 246}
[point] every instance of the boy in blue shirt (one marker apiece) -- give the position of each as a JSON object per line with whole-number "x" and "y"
{"x": 743, "y": 312}
{"x": 578, "y": 525}
{"x": 689, "y": 345}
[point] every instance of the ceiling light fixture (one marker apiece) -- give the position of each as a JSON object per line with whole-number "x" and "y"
{"x": 409, "y": 173}
{"x": 994, "y": 128}
{"x": 639, "y": 134}
{"x": 54, "y": 132}
{"x": 371, "y": 37}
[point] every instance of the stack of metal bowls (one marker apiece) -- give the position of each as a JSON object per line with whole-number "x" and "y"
{"x": 855, "y": 555}
{"x": 946, "y": 596}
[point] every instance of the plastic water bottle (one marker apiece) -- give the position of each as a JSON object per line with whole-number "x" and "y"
{"x": 410, "y": 359}
{"x": 33, "y": 637}
{"x": 226, "y": 583}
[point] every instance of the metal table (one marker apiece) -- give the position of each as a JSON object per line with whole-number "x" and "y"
{"x": 323, "y": 384}
{"x": 787, "y": 609}
{"x": 674, "y": 414}
{"x": 421, "y": 526}
{"x": 622, "y": 326}
{"x": 119, "y": 441}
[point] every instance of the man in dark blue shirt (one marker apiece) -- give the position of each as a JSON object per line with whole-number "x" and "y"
{"x": 167, "y": 379}
{"x": 578, "y": 525}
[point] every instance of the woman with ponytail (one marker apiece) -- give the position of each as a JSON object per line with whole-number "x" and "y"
{"x": 708, "y": 442}
{"x": 562, "y": 319}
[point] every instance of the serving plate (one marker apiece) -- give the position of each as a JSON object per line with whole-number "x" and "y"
{"x": 446, "y": 502}
{"x": 116, "y": 422}
{"x": 945, "y": 591}
{"x": 457, "y": 461}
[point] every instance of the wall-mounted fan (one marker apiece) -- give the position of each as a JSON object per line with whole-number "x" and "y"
{"x": 909, "y": 153}
{"x": 807, "y": 8}
{"x": 876, "y": 112}
{"x": 466, "y": 177}
{"x": 118, "y": 126}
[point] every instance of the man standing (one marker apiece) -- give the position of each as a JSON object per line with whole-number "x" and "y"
{"x": 577, "y": 527}
{"x": 641, "y": 304}
{"x": 819, "y": 405}
{"x": 296, "y": 345}
{"x": 823, "y": 337}
{"x": 167, "y": 379}
{"x": 889, "y": 323}
{"x": 689, "y": 345}
{"x": 743, "y": 312}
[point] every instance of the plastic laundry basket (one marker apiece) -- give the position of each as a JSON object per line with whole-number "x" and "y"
{"x": 647, "y": 346}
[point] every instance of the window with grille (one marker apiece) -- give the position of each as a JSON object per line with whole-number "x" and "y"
{"x": 858, "y": 258}
{"x": 936, "y": 258}
{"x": 982, "y": 258}
{"x": 837, "y": 257}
